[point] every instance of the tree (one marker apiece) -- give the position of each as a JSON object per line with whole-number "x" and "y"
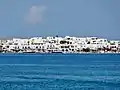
{"x": 86, "y": 50}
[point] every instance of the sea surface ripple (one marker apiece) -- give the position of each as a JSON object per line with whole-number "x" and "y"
{"x": 59, "y": 71}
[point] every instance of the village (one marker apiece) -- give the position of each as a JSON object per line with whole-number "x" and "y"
{"x": 58, "y": 44}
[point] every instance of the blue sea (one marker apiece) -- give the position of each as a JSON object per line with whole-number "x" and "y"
{"x": 59, "y": 71}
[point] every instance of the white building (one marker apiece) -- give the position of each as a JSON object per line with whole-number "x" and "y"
{"x": 65, "y": 44}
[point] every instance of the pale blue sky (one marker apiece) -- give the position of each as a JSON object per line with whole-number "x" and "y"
{"x": 24, "y": 18}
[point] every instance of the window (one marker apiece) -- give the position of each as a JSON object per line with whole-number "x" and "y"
{"x": 7, "y": 46}
{"x": 62, "y": 42}
{"x": 68, "y": 42}
{"x": 62, "y": 46}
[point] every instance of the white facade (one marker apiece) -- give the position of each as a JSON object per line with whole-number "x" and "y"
{"x": 69, "y": 44}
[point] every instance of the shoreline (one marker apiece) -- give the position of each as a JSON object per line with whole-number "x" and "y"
{"x": 80, "y": 53}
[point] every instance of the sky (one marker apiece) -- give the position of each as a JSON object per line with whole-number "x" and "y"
{"x": 28, "y": 18}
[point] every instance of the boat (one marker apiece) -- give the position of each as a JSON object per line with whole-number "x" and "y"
{"x": 57, "y": 51}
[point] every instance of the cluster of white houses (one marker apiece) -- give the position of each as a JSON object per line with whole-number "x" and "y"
{"x": 56, "y": 44}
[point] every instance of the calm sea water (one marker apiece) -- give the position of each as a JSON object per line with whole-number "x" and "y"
{"x": 59, "y": 72}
